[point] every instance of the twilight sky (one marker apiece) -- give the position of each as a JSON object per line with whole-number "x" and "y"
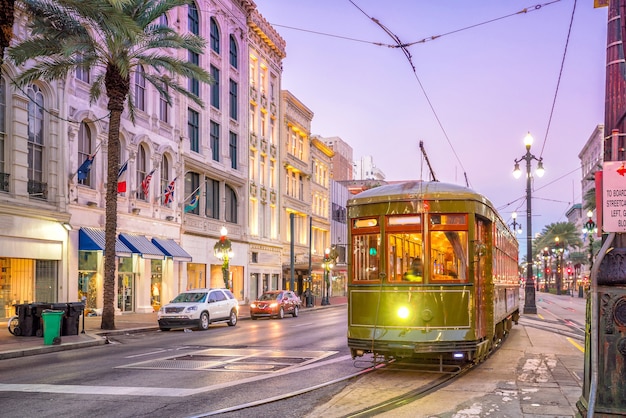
{"x": 477, "y": 89}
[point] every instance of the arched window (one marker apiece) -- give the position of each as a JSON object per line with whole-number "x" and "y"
{"x": 215, "y": 36}
{"x": 165, "y": 177}
{"x": 140, "y": 88}
{"x": 231, "y": 205}
{"x": 84, "y": 153}
{"x": 193, "y": 20}
{"x": 4, "y": 176}
{"x": 233, "y": 51}
{"x": 142, "y": 170}
{"x": 36, "y": 186}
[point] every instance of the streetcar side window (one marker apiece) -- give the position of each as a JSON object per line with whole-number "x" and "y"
{"x": 366, "y": 257}
{"x": 448, "y": 255}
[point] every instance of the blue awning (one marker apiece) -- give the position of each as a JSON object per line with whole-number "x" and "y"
{"x": 92, "y": 239}
{"x": 171, "y": 249}
{"x": 141, "y": 245}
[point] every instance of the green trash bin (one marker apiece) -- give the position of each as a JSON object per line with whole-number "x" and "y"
{"x": 52, "y": 326}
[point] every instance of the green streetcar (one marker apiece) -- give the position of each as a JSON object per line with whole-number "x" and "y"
{"x": 433, "y": 273}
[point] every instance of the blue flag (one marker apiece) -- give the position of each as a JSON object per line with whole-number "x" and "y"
{"x": 193, "y": 203}
{"x": 83, "y": 170}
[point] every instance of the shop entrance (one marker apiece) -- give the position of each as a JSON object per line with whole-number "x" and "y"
{"x": 126, "y": 292}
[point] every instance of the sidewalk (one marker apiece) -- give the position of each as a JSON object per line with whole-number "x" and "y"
{"x": 90, "y": 334}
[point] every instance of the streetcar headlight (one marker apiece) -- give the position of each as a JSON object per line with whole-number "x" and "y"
{"x": 458, "y": 355}
{"x": 403, "y": 312}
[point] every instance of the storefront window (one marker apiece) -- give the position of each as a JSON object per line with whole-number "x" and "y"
{"x": 125, "y": 285}
{"x": 156, "y": 280}
{"x": 88, "y": 279}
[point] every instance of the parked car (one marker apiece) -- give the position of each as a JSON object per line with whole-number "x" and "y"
{"x": 198, "y": 308}
{"x": 275, "y": 303}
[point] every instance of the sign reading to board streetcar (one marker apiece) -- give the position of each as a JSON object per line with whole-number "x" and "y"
{"x": 614, "y": 196}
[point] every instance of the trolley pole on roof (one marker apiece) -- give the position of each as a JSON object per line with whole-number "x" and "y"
{"x": 430, "y": 167}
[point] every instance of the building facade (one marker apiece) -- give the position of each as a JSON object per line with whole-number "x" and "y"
{"x": 266, "y": 52}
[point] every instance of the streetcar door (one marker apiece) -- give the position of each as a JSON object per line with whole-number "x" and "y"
{"x": 481, "y": 244}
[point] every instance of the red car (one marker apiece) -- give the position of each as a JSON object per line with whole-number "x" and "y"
{"x": 275, "y": 303}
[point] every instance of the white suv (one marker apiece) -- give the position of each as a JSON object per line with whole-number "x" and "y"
{"x": 198, "y": 308}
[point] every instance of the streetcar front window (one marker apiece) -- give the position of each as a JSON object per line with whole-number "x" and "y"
{"x": 366, "y": 257}
{"x": 448, "y": 255}
{"x": 406, "y": 255}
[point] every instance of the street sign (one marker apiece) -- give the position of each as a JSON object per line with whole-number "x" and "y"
{"x": 614, "y": 196}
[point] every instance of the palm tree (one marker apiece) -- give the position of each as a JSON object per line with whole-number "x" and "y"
{"x": 590, "y": 200}
{"x": 7, "y": 17}
{"x": 560, "y": 236}
{"x": 112, "y": 38}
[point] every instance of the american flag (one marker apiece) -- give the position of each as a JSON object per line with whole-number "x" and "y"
{"x": 169, "y": 191}
{"x": 145, "y": 183}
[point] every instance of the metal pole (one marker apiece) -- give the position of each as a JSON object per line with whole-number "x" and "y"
{"x": 293, "y": 272}
{"x": 529, "y": 300}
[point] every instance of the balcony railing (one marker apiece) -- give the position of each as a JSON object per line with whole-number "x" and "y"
{"x": 38, "y": 189}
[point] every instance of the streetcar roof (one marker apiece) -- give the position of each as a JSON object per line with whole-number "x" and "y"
{"x": 417, "y": 189}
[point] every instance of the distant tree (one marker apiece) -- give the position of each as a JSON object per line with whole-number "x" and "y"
{"x": 111, "y": 38}
{"x": 589, "y": 200}
{"x": 7, "y": 17}
{"x": 568, "y": 238}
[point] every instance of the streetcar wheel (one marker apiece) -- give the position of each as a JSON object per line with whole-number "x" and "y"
{"x": 295, "y": 311}
{"x": 203, "y": 322}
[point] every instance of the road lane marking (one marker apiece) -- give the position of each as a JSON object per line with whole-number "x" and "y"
{"x": 575, "y": 344}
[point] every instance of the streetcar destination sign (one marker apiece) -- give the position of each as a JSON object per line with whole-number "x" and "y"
{"x": 614, "y": 196}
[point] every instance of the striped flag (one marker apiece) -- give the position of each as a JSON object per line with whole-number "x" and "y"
{"x": 145, "y": 183}
{"x": 121, "y": 178}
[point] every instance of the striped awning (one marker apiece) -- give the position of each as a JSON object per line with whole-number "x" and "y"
{"x": 171, "y": 249}
{"x": 139, "y": 244}
{"x": 92, "y": 239}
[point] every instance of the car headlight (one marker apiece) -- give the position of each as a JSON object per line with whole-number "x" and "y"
{"x": 192, "y": 308}
{"x": 273, "y": 305}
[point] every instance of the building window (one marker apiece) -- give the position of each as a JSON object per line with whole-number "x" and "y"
{"x": 233, "y": 52}
{"x": 212, "y": 207}
{"x": 36, "y": 187}
{"x": 215, "y": 88}
{"x": 165, "y": 173}
{"x": 192, "y": 184}
{"x": 215, "y": 36}
{"x": 163, "y": 20}
{"x": 233, "y": 99}
{"x": 193, "y": 21}
{"x": 142, "y": 170}
{"x": 193, "y": 130}
{"x": 164, "y": 106}
{"x": 232, "y": 147}
{"x": 231, "y": 205}
{"x": 140, "y": 89}
{"x": 84, "y": 151}
{"x": 194, "y": 84}
{"x": 215, "y": 140}
{"x": 82, "y": 72}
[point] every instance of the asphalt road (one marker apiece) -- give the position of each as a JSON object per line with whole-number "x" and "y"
{"x": 182, "y": 374}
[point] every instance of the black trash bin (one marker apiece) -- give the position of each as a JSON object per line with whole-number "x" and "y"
{"x": 29, "y": 318}
{"x": 72, "y": 318}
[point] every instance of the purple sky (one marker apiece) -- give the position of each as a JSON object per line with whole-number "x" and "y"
{"x": 489, "y": 85}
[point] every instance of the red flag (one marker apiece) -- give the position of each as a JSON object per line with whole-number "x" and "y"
{"x": 121, "y": 178}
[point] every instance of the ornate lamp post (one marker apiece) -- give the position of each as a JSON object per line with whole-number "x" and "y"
{"x": 223, "y": 251}
{"x": 327, "y": 263}
{"x": 529, "y": 300}
{"x": 558, "y": 251}
{"x": 517, "y": 227}
{"x": 546, "y": 257}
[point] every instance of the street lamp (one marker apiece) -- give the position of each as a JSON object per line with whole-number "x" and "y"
{"x": 223, "y": 251}
{"x": 327, "y": 264}
{"x": 517, "y": 227}
{"x": 590, "y": 228}
{"x": 529, "y": 300}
